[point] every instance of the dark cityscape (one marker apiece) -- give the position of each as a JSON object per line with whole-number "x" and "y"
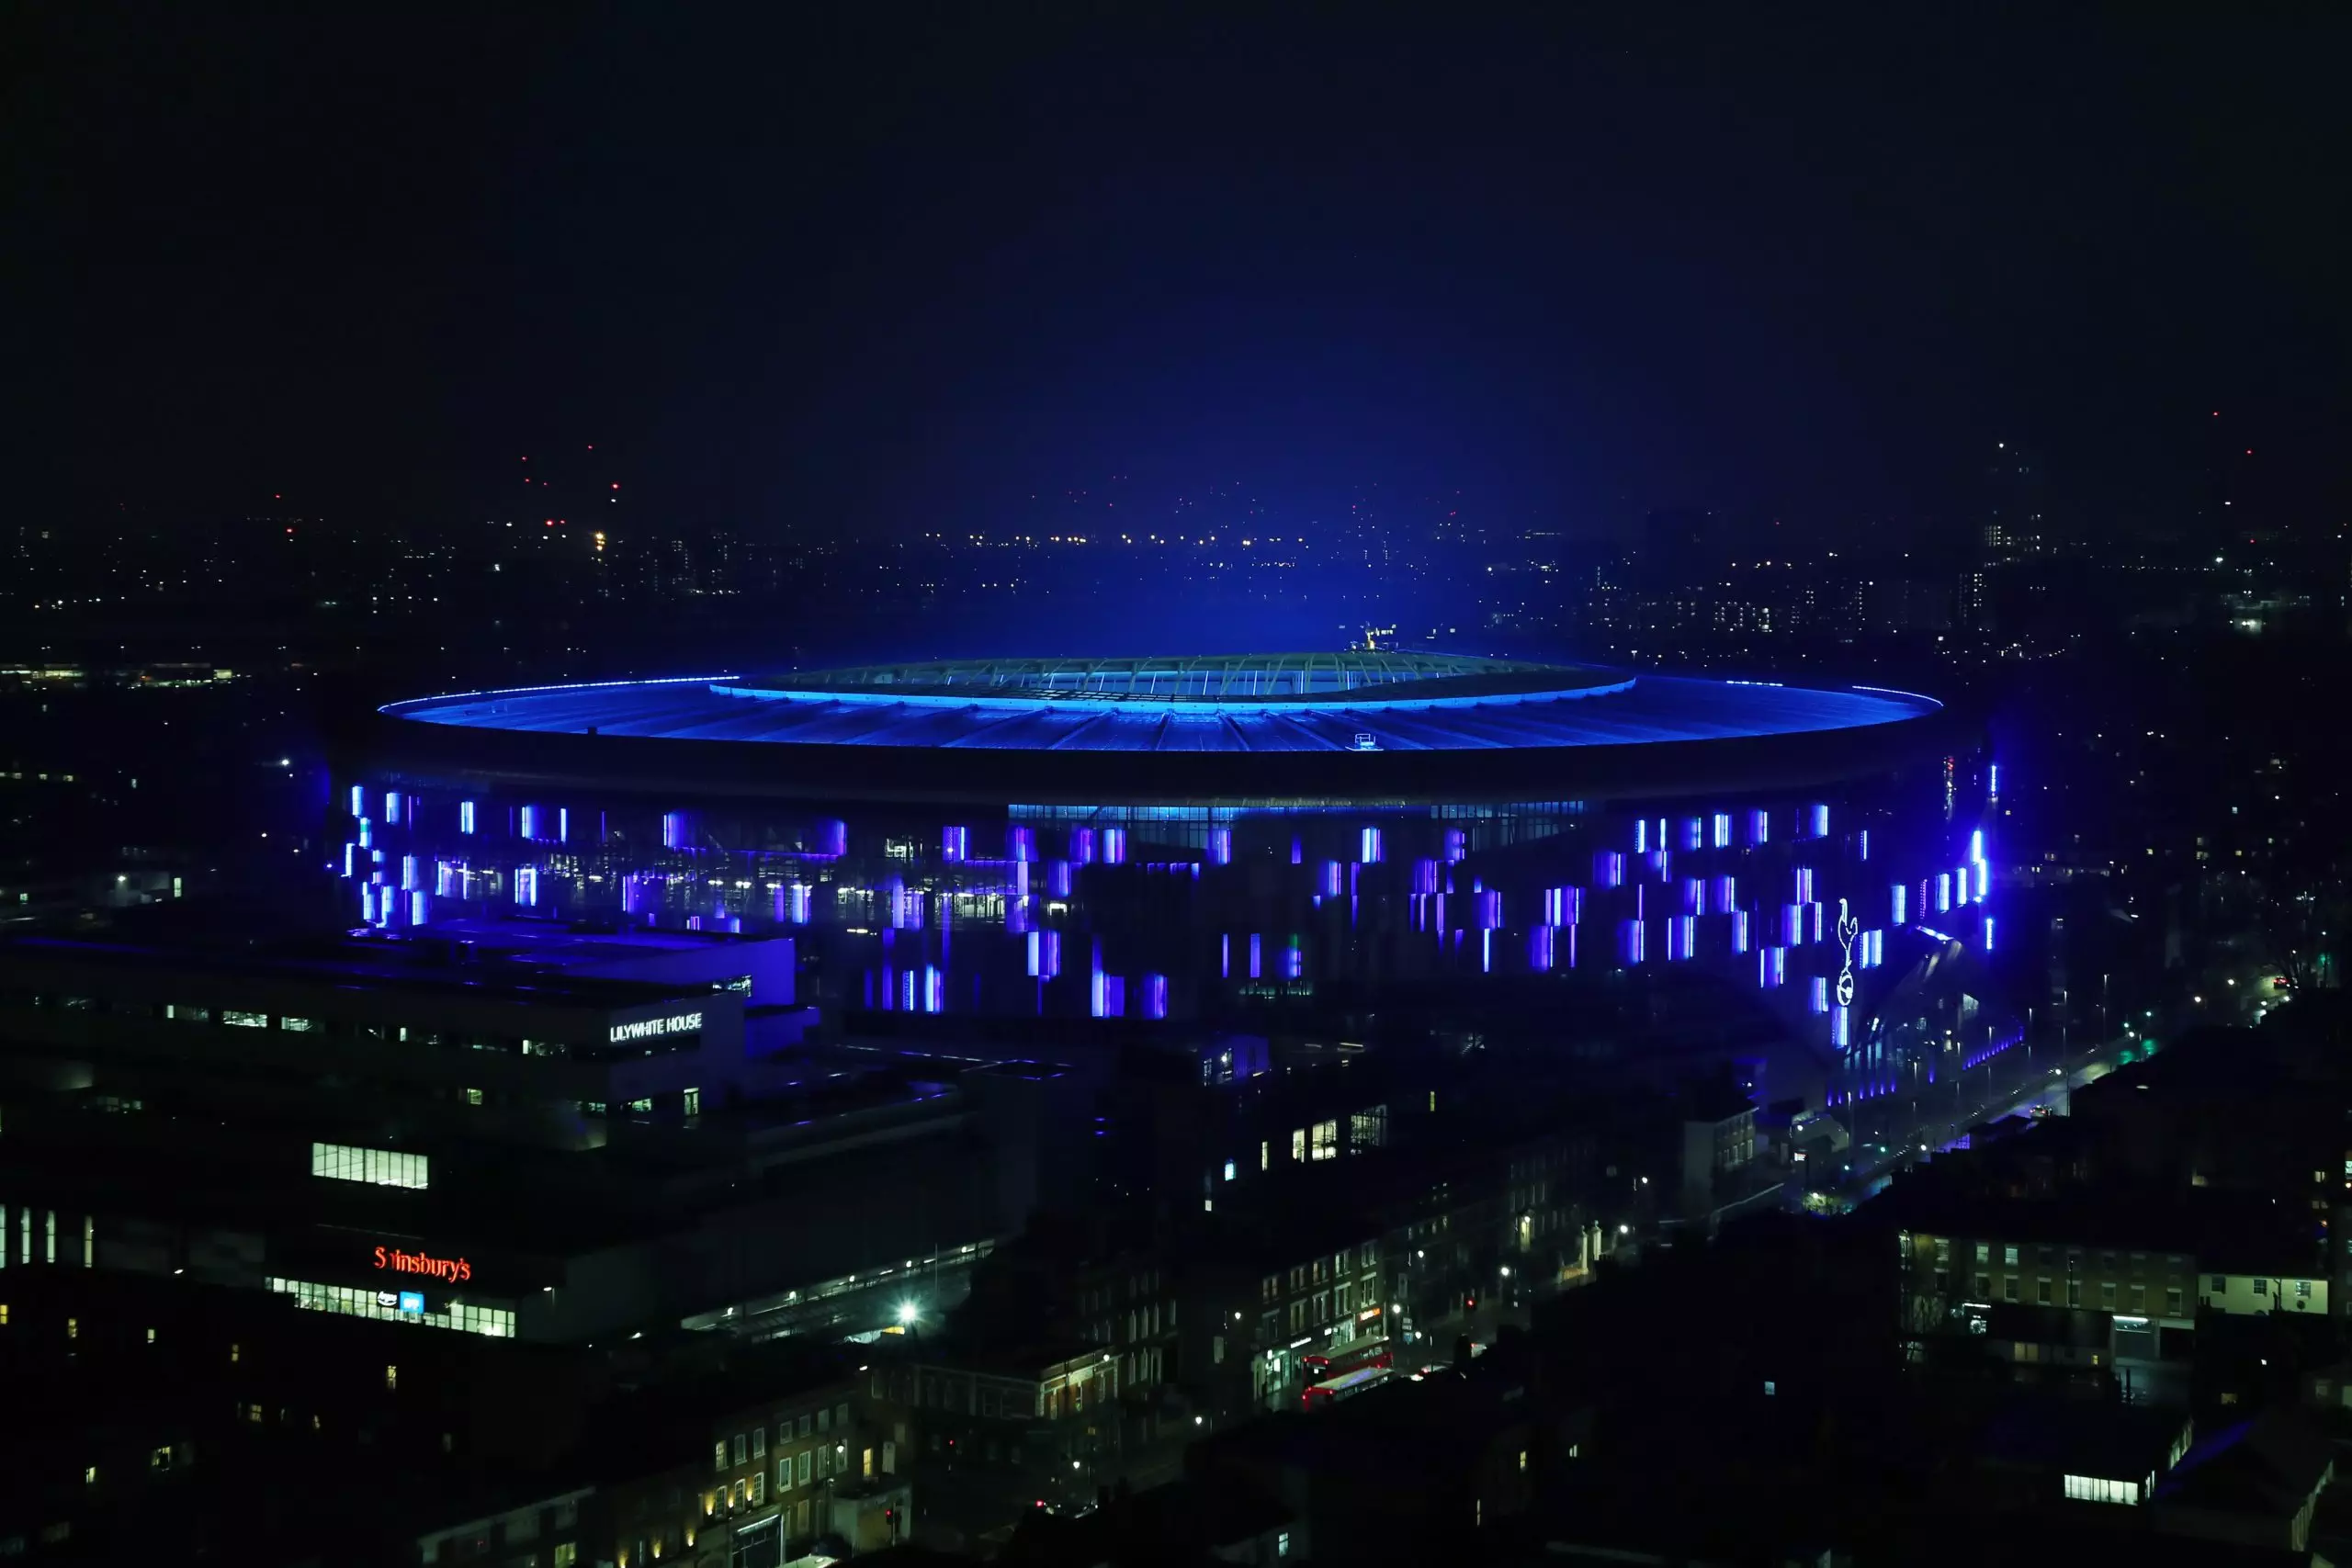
{"x": 1080, "y": 786}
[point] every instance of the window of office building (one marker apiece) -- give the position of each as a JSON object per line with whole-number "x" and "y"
{"x": 2092, "y": 1489}
{"x": 384, "y": 1306}
{"x": 2009, "y": 1256}
{"x": 1327, "y": 1140}
{"x": 381, "y": 1167}
{"x": 242, "y": 1020}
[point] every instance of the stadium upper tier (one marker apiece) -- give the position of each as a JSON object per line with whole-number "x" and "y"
{"x": 1292, "y": 703}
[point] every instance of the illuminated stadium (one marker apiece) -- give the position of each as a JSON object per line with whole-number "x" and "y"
{"x": 1191, "y": 837}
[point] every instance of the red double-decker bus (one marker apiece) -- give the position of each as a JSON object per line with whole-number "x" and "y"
{"x": 1320, "y": 1368}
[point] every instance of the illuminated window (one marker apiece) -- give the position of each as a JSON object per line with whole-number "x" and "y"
{"x": 719, "y": 1454}
{"x": 391, "y": 1377}
{"x": 381, "y": 1167}
{"x": 2092, "y": 1489}
{"x": 1327, "y": 1140}
{"x": 240, "y": 1020}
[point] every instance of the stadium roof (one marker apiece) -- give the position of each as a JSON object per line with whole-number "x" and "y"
{"x": 1290, "y": 703}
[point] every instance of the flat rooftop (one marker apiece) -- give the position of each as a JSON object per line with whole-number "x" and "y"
{"x": 351, "y": 964}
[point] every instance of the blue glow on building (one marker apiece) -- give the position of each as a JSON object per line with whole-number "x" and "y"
{"x": 359, "y": 800}
{"x": 393, "y": 806}
{"x": 887, "y": 888}
{"x": 1819, "y": 1001}
{"x": 1943, "y": 893}
{"x": 420, "y": 904}
{"x": 985, "y": 705}
{"x": 367, "y": 833}
{"x": 1894, "y": 916}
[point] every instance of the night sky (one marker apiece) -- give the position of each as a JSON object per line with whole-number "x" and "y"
{"x": 782, "y": 264}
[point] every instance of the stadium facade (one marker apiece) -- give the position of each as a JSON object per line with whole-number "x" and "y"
{"x": 1184, "y": 839}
